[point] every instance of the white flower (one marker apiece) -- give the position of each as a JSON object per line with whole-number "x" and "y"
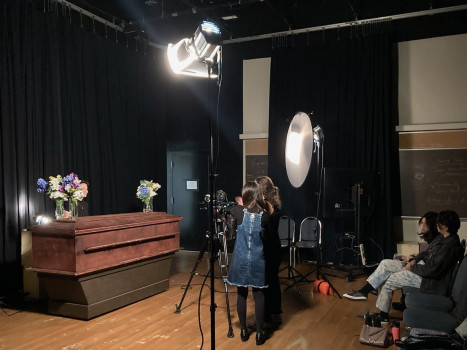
{"x": 78, "y": 195}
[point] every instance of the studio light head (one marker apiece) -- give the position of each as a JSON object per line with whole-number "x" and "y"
{"x": 197, "y": 55}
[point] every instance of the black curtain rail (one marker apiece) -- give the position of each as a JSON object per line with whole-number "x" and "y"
{"x": 348, "y": 24}
{"x": 116, "y": 28}
{"x": 68, "y": 6}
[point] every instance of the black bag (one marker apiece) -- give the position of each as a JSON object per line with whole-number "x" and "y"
{"x": 429, "y": 341}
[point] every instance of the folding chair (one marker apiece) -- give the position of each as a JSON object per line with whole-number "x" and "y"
{"x": 287, "y": 236}
{"x": 310, "y": 238}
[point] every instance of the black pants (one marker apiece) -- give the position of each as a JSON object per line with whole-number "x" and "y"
{"x": 272, "y": 294}
{"x": 258, "y": 296}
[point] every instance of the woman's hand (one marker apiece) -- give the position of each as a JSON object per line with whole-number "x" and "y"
{"x": 409, "y": 265}
{"x": 270, "y": 207}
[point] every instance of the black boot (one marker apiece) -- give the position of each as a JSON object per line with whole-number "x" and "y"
{"x": 244, "y": 335}
{"x": 260, "y": 338}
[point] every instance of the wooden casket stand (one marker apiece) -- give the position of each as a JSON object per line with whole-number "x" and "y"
{"x": 96, "y": 264}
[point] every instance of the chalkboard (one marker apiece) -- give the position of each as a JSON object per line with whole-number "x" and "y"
{"x": 433, "y": 179}
{"x": 256, "y": 165}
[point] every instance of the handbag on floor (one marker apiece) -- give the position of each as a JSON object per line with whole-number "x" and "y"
{"x": 373, "y": 334}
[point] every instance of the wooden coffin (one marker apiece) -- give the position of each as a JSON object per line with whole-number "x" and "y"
{"x": 96, "y": 264}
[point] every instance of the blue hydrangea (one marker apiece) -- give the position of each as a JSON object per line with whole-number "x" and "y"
{"x": 42, "y": 185}
{"x": 144, "y": 190}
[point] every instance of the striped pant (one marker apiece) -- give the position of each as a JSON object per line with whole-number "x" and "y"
{"x": 391, "y": 275}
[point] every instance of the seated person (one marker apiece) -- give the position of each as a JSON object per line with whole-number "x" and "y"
{"x": 427, "y": 231}
{"x": 430, "y": 270}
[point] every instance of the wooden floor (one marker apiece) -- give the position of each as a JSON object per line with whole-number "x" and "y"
{"x": 310, "y": 321}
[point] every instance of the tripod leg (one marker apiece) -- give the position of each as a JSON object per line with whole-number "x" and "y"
{"x": 193, "y": 272}
{"x": 327, "y": 280}
{"x": 230, "y": 333}
{"x": 224, "y": 267}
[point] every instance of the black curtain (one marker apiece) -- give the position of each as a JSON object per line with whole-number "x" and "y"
{"x": 71, "y": 100}
{"x": 349, "y": 88}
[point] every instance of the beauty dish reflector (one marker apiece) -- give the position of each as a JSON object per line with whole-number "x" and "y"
{"x": 299, "y": 149}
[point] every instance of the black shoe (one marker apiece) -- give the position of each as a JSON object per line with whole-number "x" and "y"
{"x": 356, "y": 295}
{"x": 261, "y": 338}
{"x": 398, "y": 306}
{"x": 244, "y": 335}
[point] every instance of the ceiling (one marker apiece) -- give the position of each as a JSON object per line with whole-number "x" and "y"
{"x": 166, "y": 21}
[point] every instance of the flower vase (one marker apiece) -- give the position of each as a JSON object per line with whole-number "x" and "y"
{"x": 73, "y": 209}
{"x": 59, "y": 209}
{"x": 148, "y": 206}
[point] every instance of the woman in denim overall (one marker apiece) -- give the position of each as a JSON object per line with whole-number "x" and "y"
{"x": 248, "y": 264}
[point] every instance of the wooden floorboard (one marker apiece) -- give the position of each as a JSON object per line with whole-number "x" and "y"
{"x": 310, "y": 321}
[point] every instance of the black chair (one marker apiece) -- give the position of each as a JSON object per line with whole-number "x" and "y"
{"x": 438, "y": 312}
{"x": 287, "y": 236}
{"x": 310, "y": 239}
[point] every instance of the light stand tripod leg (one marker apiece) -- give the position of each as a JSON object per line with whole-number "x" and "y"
{"x": 292, "y": 273}
{"x": 319, "y": 273}
{"x": 323, "y": 276}
{"x": 193, "y": 272}
{"x": 223, "y": 264}
{"x": 230, "y": 333}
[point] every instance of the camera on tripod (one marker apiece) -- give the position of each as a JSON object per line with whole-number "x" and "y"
{"x": 225, "y": 221}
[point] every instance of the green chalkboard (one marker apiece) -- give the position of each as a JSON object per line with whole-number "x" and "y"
{"x": 433, "y": 179}
{"x": 256, "y": 165}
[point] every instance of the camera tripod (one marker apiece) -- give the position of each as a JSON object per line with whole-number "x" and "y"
{"x": 220, "y": 242}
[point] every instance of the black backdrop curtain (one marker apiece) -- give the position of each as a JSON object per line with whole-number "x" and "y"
{"x": 71, "y": 100}
{"x": 350, "y": 86}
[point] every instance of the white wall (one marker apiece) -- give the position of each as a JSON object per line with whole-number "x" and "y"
{"x": 256, "y": 79}
{"x": 433, "y": 80}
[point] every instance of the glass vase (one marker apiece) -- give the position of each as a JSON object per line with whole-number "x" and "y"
{"x": 73, "y": 209}
{"x": 59, "y": 209}
{"x": 148, "y": 206}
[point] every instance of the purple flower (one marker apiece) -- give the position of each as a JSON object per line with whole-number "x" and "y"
{"x": 144, "y": 190}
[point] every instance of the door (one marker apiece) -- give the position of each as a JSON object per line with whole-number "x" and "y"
{"x": 188, "y": 176}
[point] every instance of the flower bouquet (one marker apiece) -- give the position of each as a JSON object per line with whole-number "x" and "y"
{"x": 62, "y": 189}
{"x": 71, "y": 186}
{"x": 146, "y": 191}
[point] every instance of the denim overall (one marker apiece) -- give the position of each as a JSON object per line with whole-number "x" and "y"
{"x": 248, "y": 264}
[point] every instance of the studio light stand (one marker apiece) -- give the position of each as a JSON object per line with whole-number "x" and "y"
{"x": 318, "y": 148}
{"x": 195, "y": 57}
{"x": 301, "y": 139}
